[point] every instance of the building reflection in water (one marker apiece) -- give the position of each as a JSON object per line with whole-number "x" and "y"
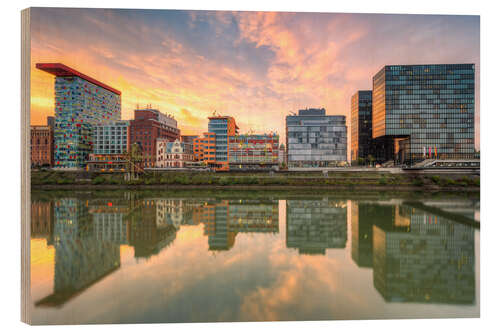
{"x": 222, "y": 219}
{"x": 147, "y": 235}
{"x": 109, "y": 223}
{"x": 417, "y": 256}
{"x": 225, "y": 219}
{"x": 363, "y": 217}
{"x": 42, "y": 219}
{"x": 86, "y": 235}
{"x": 80, "y": 258}
{"x": 312, "y": 226}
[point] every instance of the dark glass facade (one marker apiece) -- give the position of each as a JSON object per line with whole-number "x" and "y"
{"x": 427, "y": 111}
{"x": 361, "y": 125}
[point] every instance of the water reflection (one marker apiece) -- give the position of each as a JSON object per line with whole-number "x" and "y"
{"x": 429, "y": 260}
{"x": 81, "y": 259}
{"x": 417, "y": 251}
{"x": 416, "y": 256}
{"x": 312, "y": 226}
{"x": 225, "y": 219}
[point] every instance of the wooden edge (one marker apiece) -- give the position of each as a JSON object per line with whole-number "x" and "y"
{"x": 25, "y": 164}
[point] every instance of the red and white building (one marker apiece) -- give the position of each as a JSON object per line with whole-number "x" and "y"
{"x": 147, "y": 127}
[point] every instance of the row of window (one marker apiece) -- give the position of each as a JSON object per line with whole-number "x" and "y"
{"x": 306, "y": 135}
{"x": 305, "y": 156}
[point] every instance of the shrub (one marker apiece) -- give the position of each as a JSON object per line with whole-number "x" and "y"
{"x": 182, "y": 179}
{"x": 450, "y": 182}
{"x": 252, "y": 180}
{"x": 136, "y": 182}
{"x": 224, "y": 181}
{"x": 240, "y": 180}
{"x": 274, "y": 181}
{"x": 447, "y": 182}
{"x": 469, "y": 181}
{"x": 417, "y": 182}
{"x": 166, "y": 179}
{"x": 382, "y": 181}
{"x": 110, "y": 180}
{"x": 98, "y": 180}
{"x": 435, "y": 179}
{"x": 63, "y": 181}
{"x": 152, "y": 180}
{"x": 47, "y": 180}
{"x": 198, "y": 180}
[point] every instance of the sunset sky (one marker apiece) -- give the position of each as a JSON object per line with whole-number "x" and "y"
{"x": 255, "y": 66}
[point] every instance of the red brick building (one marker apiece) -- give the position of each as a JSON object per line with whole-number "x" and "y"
{"x": 42, "y": 146}
{"x": 42, "y": 219}
{"x": 147, "y": 126}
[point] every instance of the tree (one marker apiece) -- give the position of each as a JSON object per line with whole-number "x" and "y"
{"x": 371, "y": 159}
{"x": 135, "y": 161}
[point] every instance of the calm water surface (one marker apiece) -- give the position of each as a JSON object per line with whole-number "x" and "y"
{"x": 134, "y": 257}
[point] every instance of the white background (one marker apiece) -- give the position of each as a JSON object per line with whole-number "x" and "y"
{"x": 490, "y": 166}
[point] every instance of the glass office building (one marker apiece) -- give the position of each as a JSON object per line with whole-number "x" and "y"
{"x": 424, "y": 111}
{"x": 223, "y": 127}
{"x": 81, "y": 102}
{"x": 361, "y": 125}
{"x": 314, "y": 139}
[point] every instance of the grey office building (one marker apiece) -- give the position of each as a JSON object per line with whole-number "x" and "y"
{"x": 314, "y": 139}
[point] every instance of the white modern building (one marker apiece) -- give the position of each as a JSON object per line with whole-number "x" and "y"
{"x": 111, "y": 138}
